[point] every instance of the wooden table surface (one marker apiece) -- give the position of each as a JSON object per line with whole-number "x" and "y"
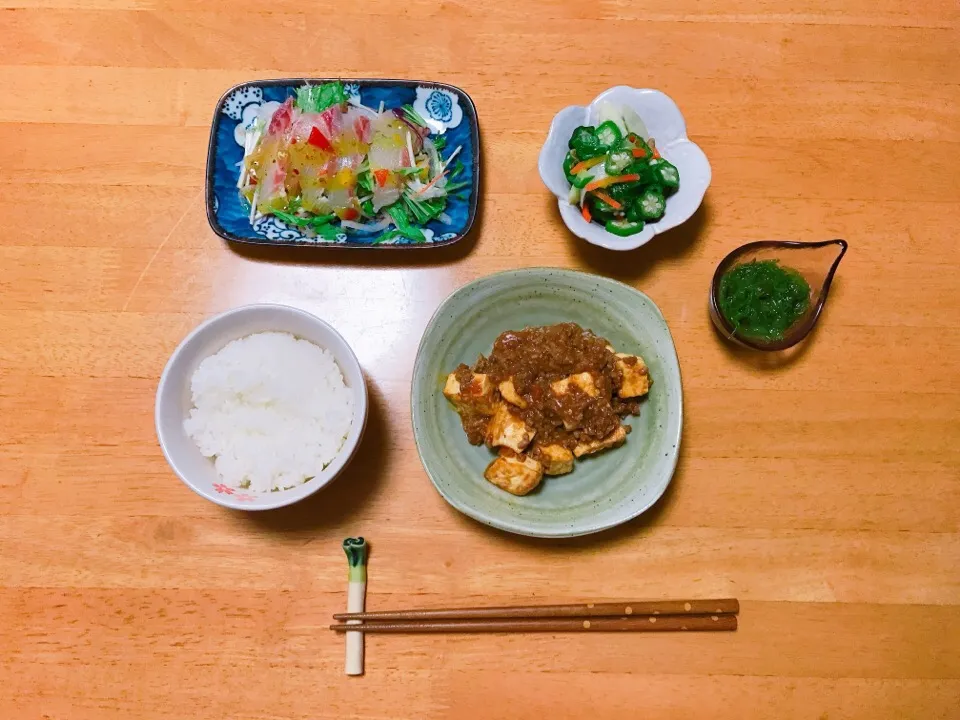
{"x": 823, "y": 492}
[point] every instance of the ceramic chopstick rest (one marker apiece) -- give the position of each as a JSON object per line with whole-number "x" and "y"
{"x": 356, "y": 550}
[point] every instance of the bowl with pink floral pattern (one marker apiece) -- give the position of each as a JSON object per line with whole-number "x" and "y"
{"x": 174, "y": 403}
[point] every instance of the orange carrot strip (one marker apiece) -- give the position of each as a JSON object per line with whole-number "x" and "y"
{"x": 639, "y": 153}
{"x": 608, "y": 200}
{"x": 604, "y": 182}
{"x": 585, "y": 211}
{"x": 432, "y": 182}
{"x": 586, "y": 165}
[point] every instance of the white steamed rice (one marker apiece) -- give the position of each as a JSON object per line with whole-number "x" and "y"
{"x": 272, "y": 410}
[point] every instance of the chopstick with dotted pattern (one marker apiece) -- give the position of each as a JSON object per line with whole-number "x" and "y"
{"x": 723, "y": 606}
{"x": 635, "y": 623}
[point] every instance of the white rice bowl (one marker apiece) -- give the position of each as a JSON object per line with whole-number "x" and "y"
{"x": 271, "y": 410}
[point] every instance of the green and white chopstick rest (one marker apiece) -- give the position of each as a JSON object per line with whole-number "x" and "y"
{"x": 356, "y": 550}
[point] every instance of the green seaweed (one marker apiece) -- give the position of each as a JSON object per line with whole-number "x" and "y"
{"x": 762, "y": 300}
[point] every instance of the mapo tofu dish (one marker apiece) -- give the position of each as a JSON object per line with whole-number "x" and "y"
{"x": 544, "y": 397}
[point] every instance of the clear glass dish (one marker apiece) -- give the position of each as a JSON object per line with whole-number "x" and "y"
{"x": 816, "y": 261}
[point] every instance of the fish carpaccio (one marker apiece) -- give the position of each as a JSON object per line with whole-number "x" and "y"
{"x": 314, "y": 159}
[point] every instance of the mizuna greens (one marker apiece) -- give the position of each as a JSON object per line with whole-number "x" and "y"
{"x": 323, "y": 163}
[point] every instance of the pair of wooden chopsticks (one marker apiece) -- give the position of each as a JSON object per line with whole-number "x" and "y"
{"x": 639, "y": 616}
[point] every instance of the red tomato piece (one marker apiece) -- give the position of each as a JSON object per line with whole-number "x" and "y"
{"x": 317, "y": 139}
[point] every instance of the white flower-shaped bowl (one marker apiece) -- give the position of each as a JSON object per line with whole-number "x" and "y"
{"x": 665, "y": 124}
{"x": 174, "y": 401}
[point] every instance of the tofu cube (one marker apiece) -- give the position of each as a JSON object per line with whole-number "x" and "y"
{"x": 475, "y": 396}
{"x": 556, "y": 459}
{"x": 517, "y": 474}
{"x": 614, "y": 439}
{"x": 636, "y": 376}
{"x": 583, "y": 381}
{"x": 510, "y": 394}
{"x": 507, "y": 430}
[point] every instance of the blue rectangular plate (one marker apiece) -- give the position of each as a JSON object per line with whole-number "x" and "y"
{"x": 448, "y": 109}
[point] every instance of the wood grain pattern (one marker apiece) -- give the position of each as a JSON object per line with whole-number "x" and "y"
{"x": 823, "y": 492}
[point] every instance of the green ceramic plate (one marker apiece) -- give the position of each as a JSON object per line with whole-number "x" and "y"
{"x": 602, "y": 491}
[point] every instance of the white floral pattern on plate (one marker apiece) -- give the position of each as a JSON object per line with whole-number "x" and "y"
{"x": 353, "y": 92}
{"x": 244, "y": 105}
{"x": 241, "y": 97}
{"x": 440, "y": 108}
{"x": 250, "y": 113}
{"x": 273, "y": 229}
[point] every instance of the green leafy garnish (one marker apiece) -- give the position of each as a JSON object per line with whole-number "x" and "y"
{"x": 413, "y": 116}
{"x": 291, "y": 219}
{"x": 455, "y": 170}
{"x": 365, "y": 180}
{"x": 440, "y": 143}
{"x": 310, "y": 221}
{"x": 387, "y": 236}
{"x": 398, "y": 212}
{"x": 320, "y": 224}
{"x": 423, "y": 211}
{"x": 317, "y": 98}
{"x": 327, "y": 232}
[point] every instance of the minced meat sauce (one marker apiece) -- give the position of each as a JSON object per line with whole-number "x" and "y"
{"x": 534, "y": 358}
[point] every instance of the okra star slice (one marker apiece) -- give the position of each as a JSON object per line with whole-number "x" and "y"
{"x": 580, "y": 135}
{"x": 609, "y": 135}
{"x": 669, "y": 175}
{"x": 624, "y": 228}
{"x": 634, "y": 142}
{"x": 617, "y": 161}
{"x": 585, "y": 144}
{"x": 652, "y": 204}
